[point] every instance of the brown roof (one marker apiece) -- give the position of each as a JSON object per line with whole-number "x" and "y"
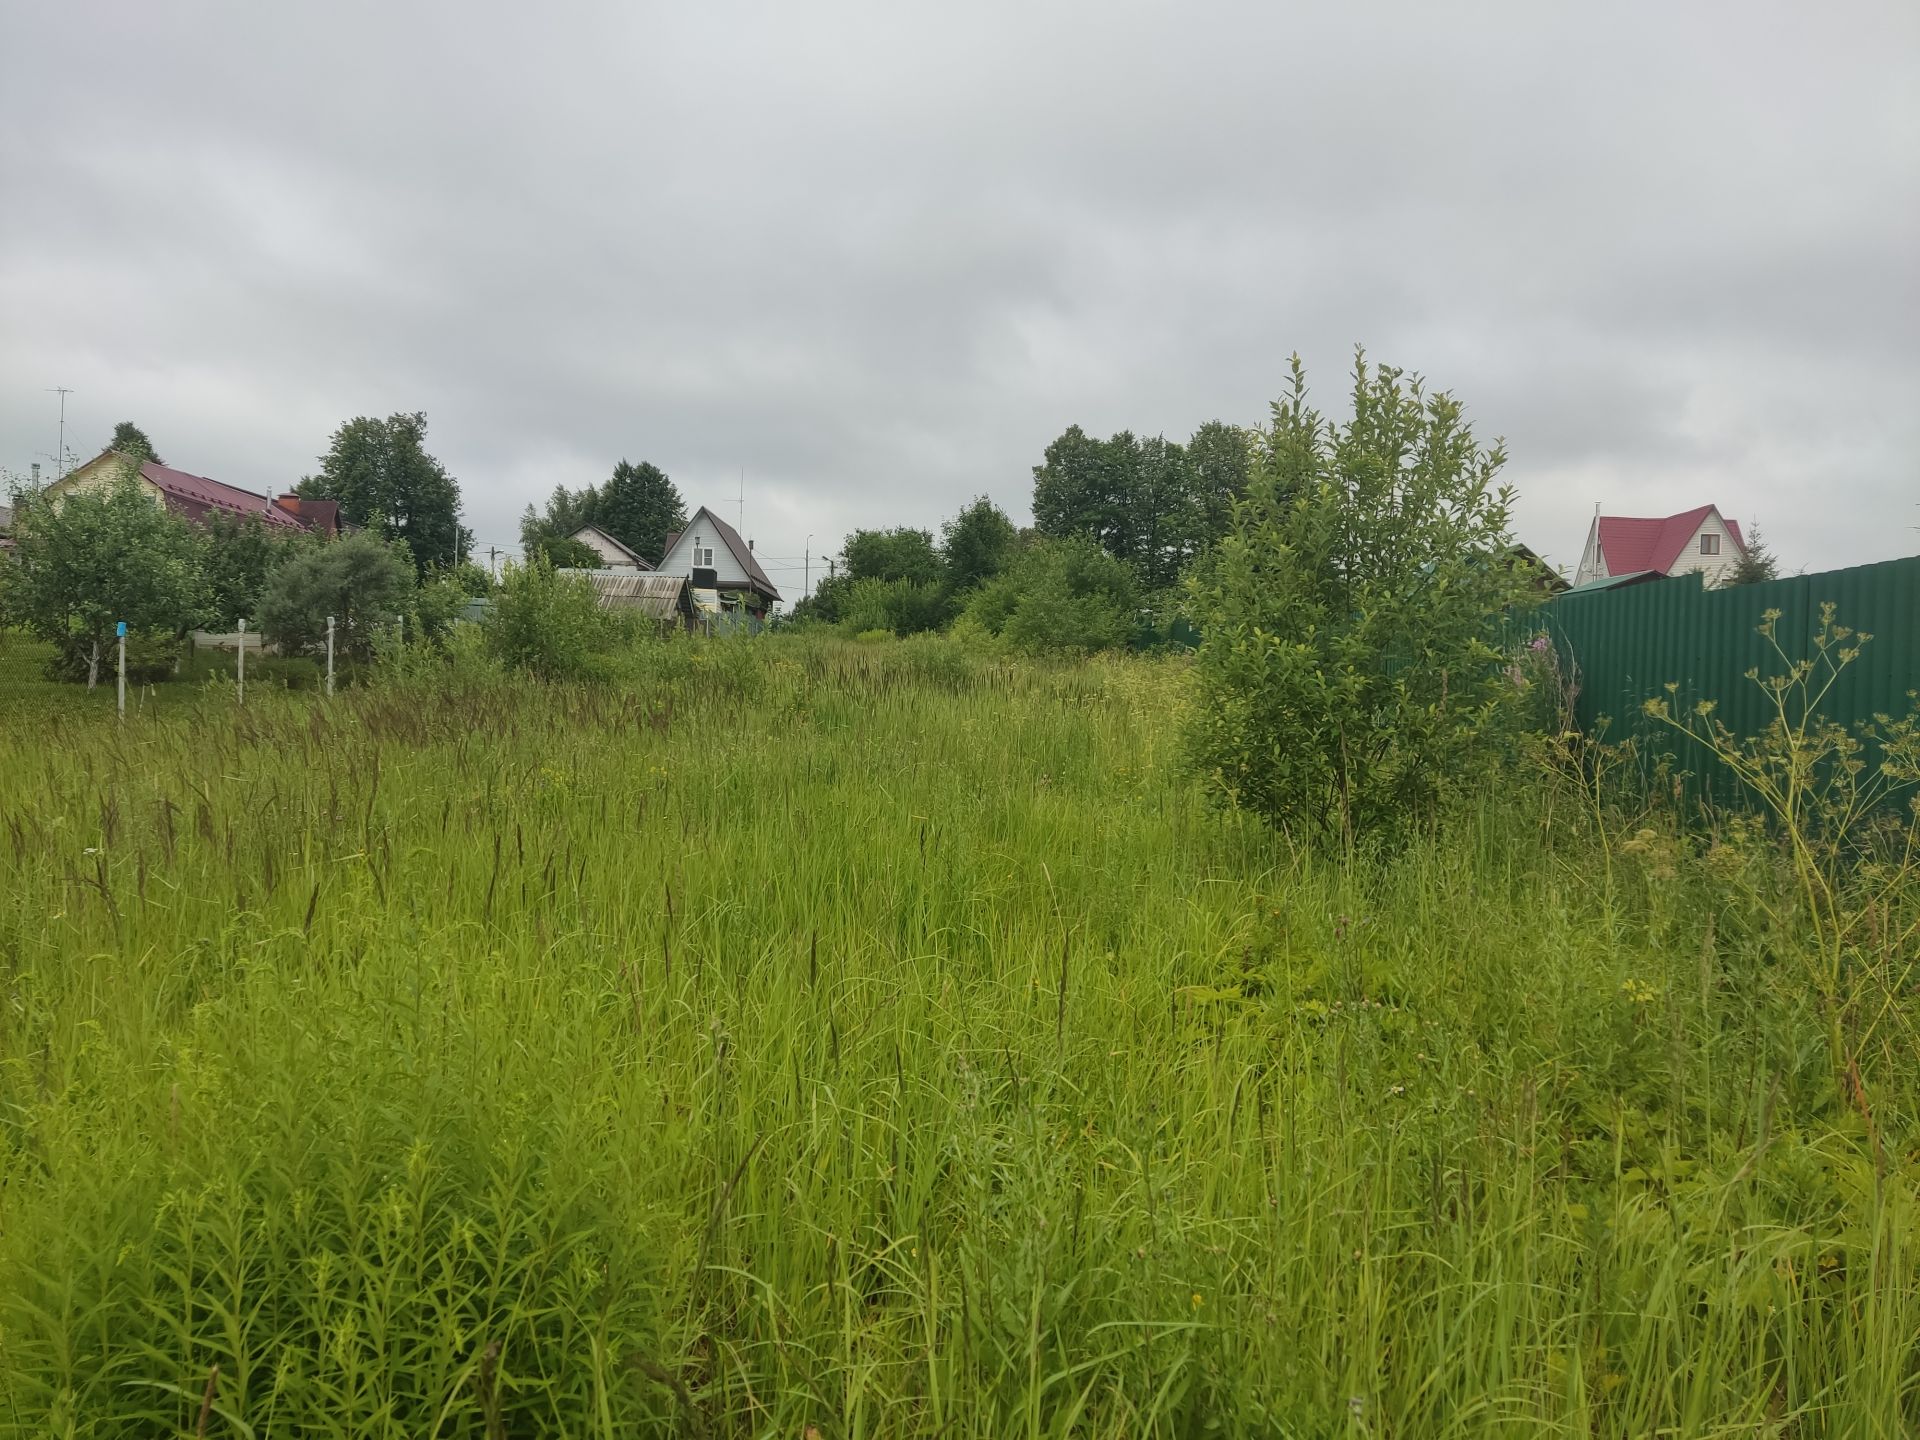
{"x": 318, "y": 515}
{"x": 196, "y": 497}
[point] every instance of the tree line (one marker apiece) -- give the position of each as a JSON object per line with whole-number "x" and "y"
{"x": 1118, "y": 522}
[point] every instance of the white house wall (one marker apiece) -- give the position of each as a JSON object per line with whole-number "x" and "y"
{"x": 611, "y": 555}
{"x": 700, "y": 531}
{"x": 1714, "y": 569}
{"x": 1593, "y": 565}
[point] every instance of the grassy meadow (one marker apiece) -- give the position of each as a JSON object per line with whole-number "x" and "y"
{"x": 808, "y": 1039}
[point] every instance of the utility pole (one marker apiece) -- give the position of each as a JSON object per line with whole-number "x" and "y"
{"x": 492, "y": 552}
{"x": 806, "y": 569}
{"x": 60, "y": 454}
{"x": 741, "y": 510}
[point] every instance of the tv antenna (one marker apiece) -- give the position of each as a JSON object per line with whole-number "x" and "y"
{"x": 60, "y": 463}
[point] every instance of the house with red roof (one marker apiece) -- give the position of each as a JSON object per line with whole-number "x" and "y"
{"x": 195, "y": 497}
{"x": 1699, "y": 539}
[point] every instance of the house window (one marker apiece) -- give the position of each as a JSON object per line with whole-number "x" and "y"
{"x": 702, "y": 558}
{"x": 1709, "y": 544}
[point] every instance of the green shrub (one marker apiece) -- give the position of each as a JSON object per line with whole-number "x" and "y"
{"x": 363, "y": 582}
{"x": 1347, "y": 676}
{"x": 1061, "y": 597}
{"x": 901, "y": 607}
{"x": 548, "y": 624}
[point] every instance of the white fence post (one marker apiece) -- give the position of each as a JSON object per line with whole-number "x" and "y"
{"x": 242, "y": 686}
{"x": 329, "y": 654}
{"x": 120, "y": 630}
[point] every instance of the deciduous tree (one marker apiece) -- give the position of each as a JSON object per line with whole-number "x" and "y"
{"x": 1348, "y": 678}
{"x": 98, "y": 557}
{"x": 362, "y": 581}
{"x": 976, "y": 544}
{"x": 386, "y": 482}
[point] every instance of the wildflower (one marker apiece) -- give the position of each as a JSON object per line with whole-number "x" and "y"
{"x": 1197, "y": 1301}
{"x": 1540, "y": 643}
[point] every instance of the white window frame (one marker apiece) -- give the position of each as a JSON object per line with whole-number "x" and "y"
{"x": 1709, "y": 544}
{"x": 702, "y": 556}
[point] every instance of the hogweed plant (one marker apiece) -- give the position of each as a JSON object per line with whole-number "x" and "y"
{"x": 1833, "y": 795}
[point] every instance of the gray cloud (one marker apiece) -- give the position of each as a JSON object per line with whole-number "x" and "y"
{"x": 877, "y": 255}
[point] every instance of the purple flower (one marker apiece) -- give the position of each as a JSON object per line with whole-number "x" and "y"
{"x": 1539, "y": 643}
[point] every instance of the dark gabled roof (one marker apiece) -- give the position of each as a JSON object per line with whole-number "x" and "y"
{"x": 741, "y": 551}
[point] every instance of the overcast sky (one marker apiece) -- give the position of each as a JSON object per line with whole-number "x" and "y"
{"x": 876, "y": 256}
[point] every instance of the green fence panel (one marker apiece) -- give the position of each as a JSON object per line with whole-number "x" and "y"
{"x": 1624, "y": 647}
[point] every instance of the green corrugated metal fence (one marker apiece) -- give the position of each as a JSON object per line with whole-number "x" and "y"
{"x": 1627, "y": 645}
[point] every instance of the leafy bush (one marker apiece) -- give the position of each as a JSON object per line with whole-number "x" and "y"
{"x": 1060, "y": 596}
{"x": 902, "y": 607}
{"x": 548, "y": 624}
{"x": 563, "y": 552}
{"x": 238, "y": 555}
{"x": 362, "y": 581}
{"x": 438, "y": 606}
{"x": 1347, "y": 676}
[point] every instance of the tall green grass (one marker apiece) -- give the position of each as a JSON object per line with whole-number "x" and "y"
{"x": 867, "y": 1039}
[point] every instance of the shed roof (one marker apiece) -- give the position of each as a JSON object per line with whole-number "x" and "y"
{"x": 657, "y": 596}
{"x": 1619, "y": 582}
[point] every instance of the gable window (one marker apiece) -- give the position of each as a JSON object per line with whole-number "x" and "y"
{"x": 1709, "y": 544}
{"x": 702, "y": 555}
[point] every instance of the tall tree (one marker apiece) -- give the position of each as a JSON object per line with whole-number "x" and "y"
{"x": 1136, "y": 499}
{"x": 237, "y": 555}
{"x": 567, "y": 510}
{"x": 1757, "y": 562}
{"x": 1080, "y": 489}
{"x": 386, "y": 482}
{"x": 902, "y": 553}
{"x": 1218, "y": 458}
{"x": 639, "y": 507}
{"x": 130, "y": 439}
{"x": 1165, "y": 521}
{"x": 977, "y": 543}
